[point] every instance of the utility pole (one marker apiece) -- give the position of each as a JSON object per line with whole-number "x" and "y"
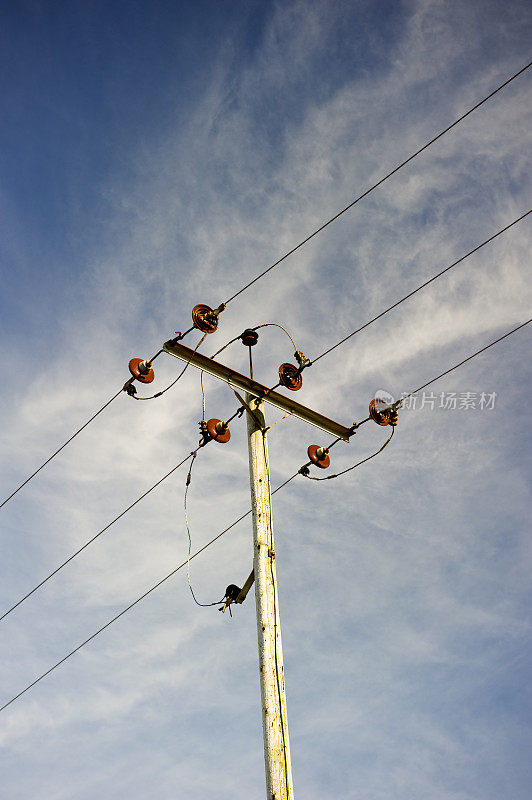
{"x": 274, "y": 717}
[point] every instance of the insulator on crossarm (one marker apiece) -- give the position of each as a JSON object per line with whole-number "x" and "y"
{"x": 290, "y": 377}
{"x": 141, "y": 370}
{"x": 204, "y": 318}
{"x": 319, "y": 456}
{"x": 381, "y": 413}
{"x": 218, "y": 430}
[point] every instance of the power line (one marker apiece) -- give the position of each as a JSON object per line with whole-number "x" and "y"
{"x": 522, "y": 325}
{"x": 218, "y": 536}
{"x": 60, "y": 448}
{"x": 128, "y": 383}
{"x": 289, "y": 253}
{"x": 375, "y": 185}
{"x": 422, "y": 286}
{"x": 70, "y": 558}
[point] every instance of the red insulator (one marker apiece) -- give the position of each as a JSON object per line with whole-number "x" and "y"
{"x": 290, "y": 377}
{"x": 218, "y": 430}
{"x": 204, "y": 318}
{"x": 381, "y": 417}
{"x": 319, "y": 456}
{"x": 141, "y": 370}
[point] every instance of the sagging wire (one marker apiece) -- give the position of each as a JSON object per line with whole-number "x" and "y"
{"x": 305, "y": 471}
{"x": 202, "y": 398}
{"x": 187, "y": 484}
{"x": 126, "y": 387}
{"x": 275, "y": 614}
{"x": 193, "y": 455}
{"x": 275, "y": 325}
{"x": 132, "y": 390}
{"x": 255, "y": 328}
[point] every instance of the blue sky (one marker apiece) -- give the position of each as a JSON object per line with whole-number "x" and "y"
{"x": 156, "y": 157}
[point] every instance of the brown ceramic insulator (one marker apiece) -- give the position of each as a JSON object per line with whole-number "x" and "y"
{"x": 380, "y": 417}
{"x": 290, "y": 377}
{"x": 142, "y": 376}
{"x": 218, "y": 430}
{"x": 249, "y": 337}
{"x": 204, "y": 318}
{"x": 322, "y": 461}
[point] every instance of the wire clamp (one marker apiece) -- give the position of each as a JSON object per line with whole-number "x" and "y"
{"x": 204, "y": 433}
{"x": 302, "y": 360}
{"x": 271, "y": 554}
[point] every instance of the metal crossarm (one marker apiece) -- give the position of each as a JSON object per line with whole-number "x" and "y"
{"x": 234, "y": 378}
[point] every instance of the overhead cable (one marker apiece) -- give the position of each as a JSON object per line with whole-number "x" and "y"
{"x": 422, "y": 286}
{"x": 60, "y": 448}
{"x": 441, "y": 375}
{"x": 96, "y": 536}
{"x": 379, "y": 183}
